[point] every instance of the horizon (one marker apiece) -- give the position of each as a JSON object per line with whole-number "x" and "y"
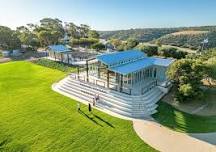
{"x": 101, "y": 16}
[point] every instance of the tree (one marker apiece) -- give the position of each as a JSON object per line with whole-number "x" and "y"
{"x": 150, "y": 50}
{"x": 84, "y": 29}
{"x": 172, "y": 52}
{"x": 187, "y": 75}
{"x": 98, "y": 46}
{"x": 131, "y": 43}
{"x": 116, "y": 42}
{"x": 93, "y": 34}
{"x": 72, "y": 30}
{"x": 50, "y": 31}
{"x": 27, "y": 37}
{"x": 8, "y": 39}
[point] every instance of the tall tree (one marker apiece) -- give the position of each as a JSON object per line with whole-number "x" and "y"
{"x": 72, "y": 30}
{"x": 50, "y": 31}
{"x": 93, "y": 34}
{"x": 187, "y": 75}
{"x": 84, "y": 29}
{"x": 27, "y": 37}
{"x": 8, "y": 39}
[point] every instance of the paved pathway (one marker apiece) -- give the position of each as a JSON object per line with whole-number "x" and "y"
{"x": 166, "y": 140}
{"x": 199, "y": 109}
{"x": 3, "y": 60}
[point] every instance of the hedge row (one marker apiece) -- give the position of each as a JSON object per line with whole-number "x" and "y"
{"x": 55, "y": 65}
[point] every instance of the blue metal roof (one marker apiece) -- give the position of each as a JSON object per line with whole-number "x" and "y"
{"x": 162, "y": 62}
{"x": 132, "y": 67}
{"x": 116, "y": 57}
{"x": 141, "y": 64}
{"x": 58, "y": 48}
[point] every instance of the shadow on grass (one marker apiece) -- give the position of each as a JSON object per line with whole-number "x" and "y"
{"x": 90, "y": 118}
{"x": 106, "y": 122}
{"x": 97, "y": 117}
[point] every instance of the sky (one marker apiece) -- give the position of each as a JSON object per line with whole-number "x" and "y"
{"x": 111, "y": 14}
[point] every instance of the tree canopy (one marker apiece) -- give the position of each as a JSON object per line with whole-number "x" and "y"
{"x": 49, "y": 31}
{"x": 187, "y": 75}
{"x": 9, "y": 39}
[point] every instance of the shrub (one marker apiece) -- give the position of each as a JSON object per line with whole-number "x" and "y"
{"x": 83, "y": 41}
{"x": 150, "y": 50}
{"x": 172, "y": 52}
{"x": 187, "y": 75}
{"x": 98, "y": 46}
{"x": 55, "y": 65}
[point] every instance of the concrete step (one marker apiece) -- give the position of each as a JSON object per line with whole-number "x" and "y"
{"x": 116, "y": 102}
{"x": 141, "y": 98}
{"x": 123, "y": 104}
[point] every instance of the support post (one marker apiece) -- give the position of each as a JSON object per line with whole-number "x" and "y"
{"x": 121, "y": 83}
{"x": 87, "y": 70}
{"x": 107, "y": 78}
{"x": 78, "y": 71}
{"x": 61, "y": 57}
{"x": 68, "y": 58}
{"x": 55, "y": 55}
{"x": 98, "y": 70}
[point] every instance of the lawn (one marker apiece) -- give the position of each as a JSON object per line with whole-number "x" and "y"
{"x": 184, "y": 122}
{"x": 35, "y": 118}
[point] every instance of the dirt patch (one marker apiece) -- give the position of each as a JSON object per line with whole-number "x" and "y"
{"x": 205, "y": 107}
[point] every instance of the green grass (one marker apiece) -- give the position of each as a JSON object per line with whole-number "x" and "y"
{"x": 35, "y": 118}
{"x": 183, "y": 122}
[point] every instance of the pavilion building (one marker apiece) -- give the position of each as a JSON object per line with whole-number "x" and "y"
{"x": 66, "y": 55}
{"x": 129, "y": 83}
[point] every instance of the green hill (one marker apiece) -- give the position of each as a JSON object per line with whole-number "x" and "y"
{"x": 189, "y": 37}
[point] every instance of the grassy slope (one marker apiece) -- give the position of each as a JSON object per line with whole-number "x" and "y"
{"x": 183, "y": 122}
{"x": 34, "y": 118}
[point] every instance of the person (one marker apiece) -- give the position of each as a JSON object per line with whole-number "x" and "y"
{"x": 97, "y": 97}
{"x": 89, "y": 107}
{"x": 78, "y": 106}
{"x": 94, "y": 102}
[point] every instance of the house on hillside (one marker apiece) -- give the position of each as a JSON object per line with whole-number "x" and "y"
{"x": 129, "y": 83}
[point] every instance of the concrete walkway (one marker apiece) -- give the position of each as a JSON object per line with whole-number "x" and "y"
{"x": 166, "y": 140}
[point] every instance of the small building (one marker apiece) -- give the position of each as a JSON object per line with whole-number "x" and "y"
{"x": 65, "y": 54}
{"x": 127, "y": 83}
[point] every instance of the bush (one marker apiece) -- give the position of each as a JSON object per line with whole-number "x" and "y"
{"x": 55, "y": 65}
{"x": 172, "y": 52}
{"x": 98, "y": 46}
{"x": 83, "y": 41}
{"x": 150, "y": 50}
{"x": 187, "y": 75}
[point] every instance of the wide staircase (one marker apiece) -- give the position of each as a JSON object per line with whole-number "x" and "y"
{"x": 131, "y": 106}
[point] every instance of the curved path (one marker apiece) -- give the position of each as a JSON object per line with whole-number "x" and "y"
{"x": 166, "y": 140}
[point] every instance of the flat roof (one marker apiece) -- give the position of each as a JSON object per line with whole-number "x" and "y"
{"x": 116, "y": 57}
{"x": 141, "y": 64}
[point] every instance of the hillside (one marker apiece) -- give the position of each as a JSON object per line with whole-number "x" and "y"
{"x": 142, "y": 35}
{"x": 189, "y": 37}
